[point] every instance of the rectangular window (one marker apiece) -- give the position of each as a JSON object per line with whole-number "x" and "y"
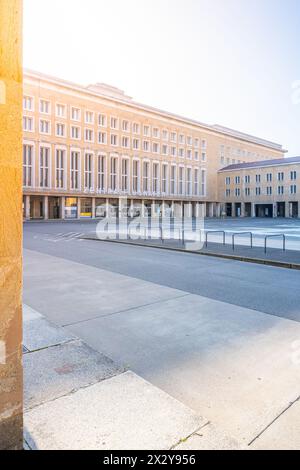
{"x": 125, "y": 142}
{"x": 280, "y": 176}
{"x": 164, "y": 149}
{"x": 45, "y": 106}
{"x": 136, "y": 144}
{"x": 165, "y": 134}
{"x": 188, "y": 181}
{"x": 155, "y": 147}
{"x": 89, "y": 117}
{"x": 181, "y": 139}
{"x": 113, "y": 173}
{"x": 44, "y": 167}
{"x": 88, "y": 171}
{"x": 293, "y": 189}
{"x": 173, "y": 151}
{"x": 173, "y": 180}
{"x": 114, "y": 123}
{"x": 196, "y": 181}
{"x": 155, "y": 132}
{"x": 269, "y": 177}
{"x": 293, "y": 175}
{"x": 125, "y": 126}
{"x": 89, "y": 135}
{"x": 102, "y": 138}
{"x": 203, "y": 156}
{"x": 27, "y": 165}
{"x": 60, "y": 129}
{"x": 135, "y": 175}
{"x": 146, "y": 130}
{"x": 44, "y": 126}
{"x": 181, "y": 152}
{"x": 75, "y": 114}
{"x": 257, "y": 178}
{"x": 75, "y": 160}
{"x": 125, "y": 175}
{"x": 101, "y": 169}
{"x": 196, "y": 155}
{"x": 164, "y": 178}
{"x": 173, "y": 137}
{"x": 180, "y": 180}
{"x": 75, "y": 132}
{"x": 146, "y": 146}
{"x": 28, "y": 124}
{"x": 135, "y": 128}
{"x": 113, "y": 140}
{"x": 61, "y": 110}
{"x": 146, "y": 176}
{"x": 59, "y": 169}
{"x": 28, "y": 103}
{"x": 189, "y": 154}
{"x": 155, "y": 183}
{"x": 203, "y": 183}
{"x": 102, "y": 120}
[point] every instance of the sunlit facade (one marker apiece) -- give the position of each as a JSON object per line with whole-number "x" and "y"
{"x": 86, "y": 150}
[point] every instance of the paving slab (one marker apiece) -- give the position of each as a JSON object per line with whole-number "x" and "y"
{"x": 97, "y": 292}
{"x": 283, "y": 434}
{"x": 55, "y": 371}
{"x": 231, "y": 364}
{"x": 209, "y": 438}
{"x": 39, "y": 333}
{"x": 124, "y": 412}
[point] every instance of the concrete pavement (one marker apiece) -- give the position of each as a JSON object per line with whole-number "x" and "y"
{"x": 234, "y": 365}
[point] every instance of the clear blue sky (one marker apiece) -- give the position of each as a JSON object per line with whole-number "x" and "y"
{"x": 229, "y": 62}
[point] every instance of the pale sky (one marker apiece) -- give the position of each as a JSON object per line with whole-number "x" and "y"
{"x": 228, "y": 62}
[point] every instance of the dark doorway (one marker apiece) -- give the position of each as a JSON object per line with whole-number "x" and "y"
{"x": 248, "y": 209}
{"x": 280, "y": 209}
{"x": 264, "y": 210}
{"x": 238, "y": 209}
{"x": 294, "y": 209}
{"x": 229, "y": 209}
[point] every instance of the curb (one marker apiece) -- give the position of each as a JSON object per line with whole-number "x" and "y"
{"x": 278, "y": 264}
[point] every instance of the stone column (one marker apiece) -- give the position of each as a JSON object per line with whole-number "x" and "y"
{"x": 62, "y": 207}
{"x": 46, "y": 207}
{"x": 242, "y": 209}
{"x": 93, "y": 208}
{"x": 107, "y": 207}
{"x": 78, "y": 207}
{"x": 27, "y": 207}
{"x": 11, "y": 388}
{"x": 253, "y": 214}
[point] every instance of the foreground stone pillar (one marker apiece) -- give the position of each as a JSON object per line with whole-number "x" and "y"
{"x": 11, "y": 401}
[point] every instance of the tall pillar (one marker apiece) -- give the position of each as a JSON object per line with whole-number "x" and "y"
{"x": 27, "y": 207}
{"x": 218, "y": 209}
{"x": 62, "y": 207}
{"x": 78, "y": 207}
{"x": 93, "y": 208}
{"x": 242, "y": 209}
{"x": 288, "y": 209}
{"x": 107, "y": 207}
{"x": 11, "y": 392}
{"x": 46, "y": 207}
{"x": 253, "y": 214}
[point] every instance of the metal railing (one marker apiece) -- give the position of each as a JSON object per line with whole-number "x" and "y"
{"x": 242, "y": 233}
{"x": 214, "y": 231}
{"x": 272, "y": 235}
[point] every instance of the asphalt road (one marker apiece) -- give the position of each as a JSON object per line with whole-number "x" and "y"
{"x": 267, "y": 289}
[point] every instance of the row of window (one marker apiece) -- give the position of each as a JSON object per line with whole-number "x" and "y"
{"x": 114, "y": 139}
{"x": 268, "y": 177}
{"x": 239, "y": 153}
{"x": 115, "y": 123}
{"x": 166, "y": 179}
{"x": 259, "y": 192}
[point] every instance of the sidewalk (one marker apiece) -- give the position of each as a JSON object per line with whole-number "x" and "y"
{"x": 191, "y": 356}
{"x": 77, "y": 398}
